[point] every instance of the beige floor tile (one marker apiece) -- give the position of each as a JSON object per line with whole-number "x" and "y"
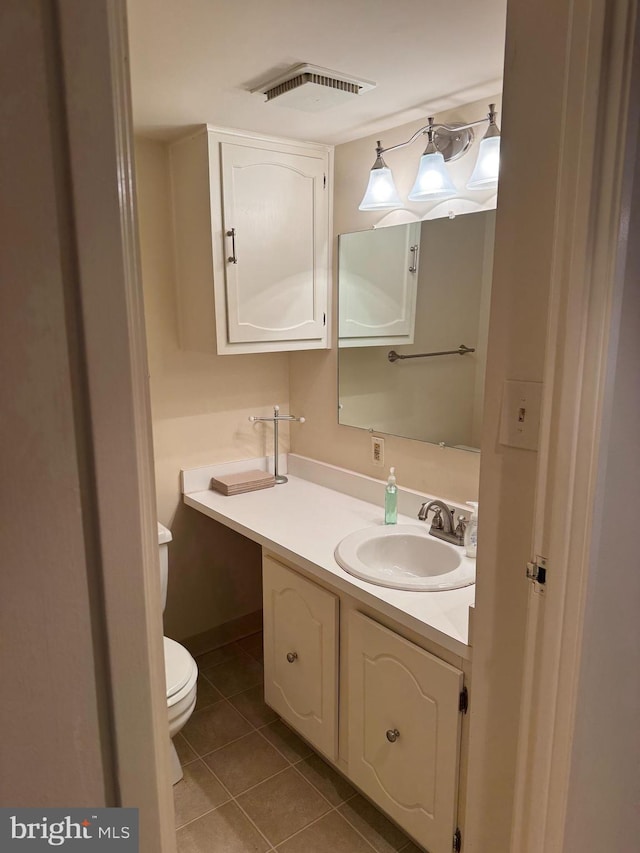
{"x": 236, "y": 675}
{"x": 245, "y": 762}
{"x": 383, "y": 835}
{"x": 207, "y": 693}
{"x": 251, "y": 705}
{"x": 330, "y": 834}
{"x": 218, "y": 656}
{"x": 282, "y": 805}
{"x": 185, "y": 753}
{"x": 331, "y": 785}
{"x": 214, "y": 727}
{"x": 198, "y": 792}
{"x": 289, "y": 744}
{"x": 253, "y": 646}
{"x": 225, "y": 830}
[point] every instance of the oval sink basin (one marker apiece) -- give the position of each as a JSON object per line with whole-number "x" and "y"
{"x": 405, "y": 556}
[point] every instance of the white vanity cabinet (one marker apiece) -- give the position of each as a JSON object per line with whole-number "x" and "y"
{"x": 404, "y": 730}
{"x": 398, "y": 713}
{"x": 252, "y": 226}
{"x": 301, "y": 654}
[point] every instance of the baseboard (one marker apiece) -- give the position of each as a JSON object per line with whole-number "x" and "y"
{"x": 228, "y": 632}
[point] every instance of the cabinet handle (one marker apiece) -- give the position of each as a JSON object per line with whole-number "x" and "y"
{"x": 232, "y": 257}
{"x": 413, "y": 266}
{"x": 393, "y": 735}
{"x": 292, "y": 656}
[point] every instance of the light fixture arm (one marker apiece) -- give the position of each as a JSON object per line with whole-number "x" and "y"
{"x": 431, "y": 128}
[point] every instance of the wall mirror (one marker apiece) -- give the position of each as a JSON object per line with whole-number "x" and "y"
{"x": 412, "y": 299}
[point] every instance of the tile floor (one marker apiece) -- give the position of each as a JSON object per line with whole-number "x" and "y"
{"x": 251, "y": 785}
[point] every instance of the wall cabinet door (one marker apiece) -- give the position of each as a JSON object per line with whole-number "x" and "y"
{"x": 251, "y": 223}
{"x": 275, "y": 221}
{"x": 404, "y": 731}
{"x": 378, "y": 279}
{"x": 301, "y": 654}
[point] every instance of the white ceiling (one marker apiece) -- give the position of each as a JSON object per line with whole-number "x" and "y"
{"x": 194, "y": 61}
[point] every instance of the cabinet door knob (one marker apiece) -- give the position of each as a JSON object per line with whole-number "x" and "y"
{"x": 393, "y": 735}
{"x": 291, "y": 656}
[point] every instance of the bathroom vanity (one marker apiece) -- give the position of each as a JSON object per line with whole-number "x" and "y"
{"x": 376, "y": 679}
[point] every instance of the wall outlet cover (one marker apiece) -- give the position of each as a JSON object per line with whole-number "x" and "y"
{"x": 377, "y": 451}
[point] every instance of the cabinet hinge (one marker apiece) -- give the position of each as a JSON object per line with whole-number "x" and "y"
{"x": 537, "y": 570}
{"x": 324, "y": 182}
{"x": 457, "y": 841}
{"x": 463, "y": 705}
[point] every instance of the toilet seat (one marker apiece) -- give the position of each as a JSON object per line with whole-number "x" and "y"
{"x": 181, "y": 671}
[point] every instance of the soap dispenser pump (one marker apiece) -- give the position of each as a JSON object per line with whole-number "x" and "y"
{"x": 391, "y": 499}
{"x": 471, "y": 532}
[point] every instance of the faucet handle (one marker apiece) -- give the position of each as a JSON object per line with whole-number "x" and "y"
{"x": 461, "y": 526}
{"x": 437, "y": 522}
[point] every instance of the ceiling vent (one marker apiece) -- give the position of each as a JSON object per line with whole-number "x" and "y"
{"x": 312, "y": 89}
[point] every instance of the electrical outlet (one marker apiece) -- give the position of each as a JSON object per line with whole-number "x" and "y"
{"x": 377, "y": 451}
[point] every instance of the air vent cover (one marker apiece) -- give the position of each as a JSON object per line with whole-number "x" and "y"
{"x": 311, "y": 89}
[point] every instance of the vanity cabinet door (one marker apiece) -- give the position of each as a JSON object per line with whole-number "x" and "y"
{"x": 404, "y": 731}
{"x": 301, "y": 654}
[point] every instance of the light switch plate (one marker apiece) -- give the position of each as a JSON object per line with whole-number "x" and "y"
{"x": 520, "y": 421}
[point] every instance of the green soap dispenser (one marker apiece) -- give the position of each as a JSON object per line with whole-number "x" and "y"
{"x": 391, "y": 499}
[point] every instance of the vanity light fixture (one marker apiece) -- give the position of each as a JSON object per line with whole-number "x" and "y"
{"x": 444, "y": 142}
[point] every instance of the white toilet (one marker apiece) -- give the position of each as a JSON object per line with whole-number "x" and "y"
{"x": 180, "y": 668}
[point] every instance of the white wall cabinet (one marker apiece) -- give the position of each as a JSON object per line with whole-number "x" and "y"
{"x": 378, "y": 286}
{"x": 400, "y": 712}
{"x": 404, "y": 731}
{"x": 301, "y": 654}
{"x": 260, "y": 244}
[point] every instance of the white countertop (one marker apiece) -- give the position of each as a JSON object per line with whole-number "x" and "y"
{"x": 303, "y": 522}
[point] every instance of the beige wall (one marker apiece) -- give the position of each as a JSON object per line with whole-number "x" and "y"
{"x": 200, "y": 407}
{"x": 57, "y": 749}
{"x": 446, "y": 472}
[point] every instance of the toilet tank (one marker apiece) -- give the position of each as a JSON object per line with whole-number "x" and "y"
{"x": 164, "y": 537}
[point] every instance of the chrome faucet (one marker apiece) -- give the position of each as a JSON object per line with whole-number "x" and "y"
{"x": 443, "y": 525}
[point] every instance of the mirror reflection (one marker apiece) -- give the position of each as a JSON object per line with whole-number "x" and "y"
{"x": 421, "y": 293}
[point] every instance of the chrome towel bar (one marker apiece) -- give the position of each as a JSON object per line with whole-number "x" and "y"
{"x": 462, "y": 350}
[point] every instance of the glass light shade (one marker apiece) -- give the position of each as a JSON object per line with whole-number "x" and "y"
{"x": 433, "y": 180}
{"x": 485, "y": 174}
{"x": 381, "y": 192}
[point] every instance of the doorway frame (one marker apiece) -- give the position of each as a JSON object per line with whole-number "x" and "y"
{"x": 93, "y": 52}
{"x": 563, "y": 404}
{"x": 590, "y": 247}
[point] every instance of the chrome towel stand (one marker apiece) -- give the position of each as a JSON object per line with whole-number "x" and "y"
{"x": 275, "y": 420}
{"x": 462, "y": 350}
